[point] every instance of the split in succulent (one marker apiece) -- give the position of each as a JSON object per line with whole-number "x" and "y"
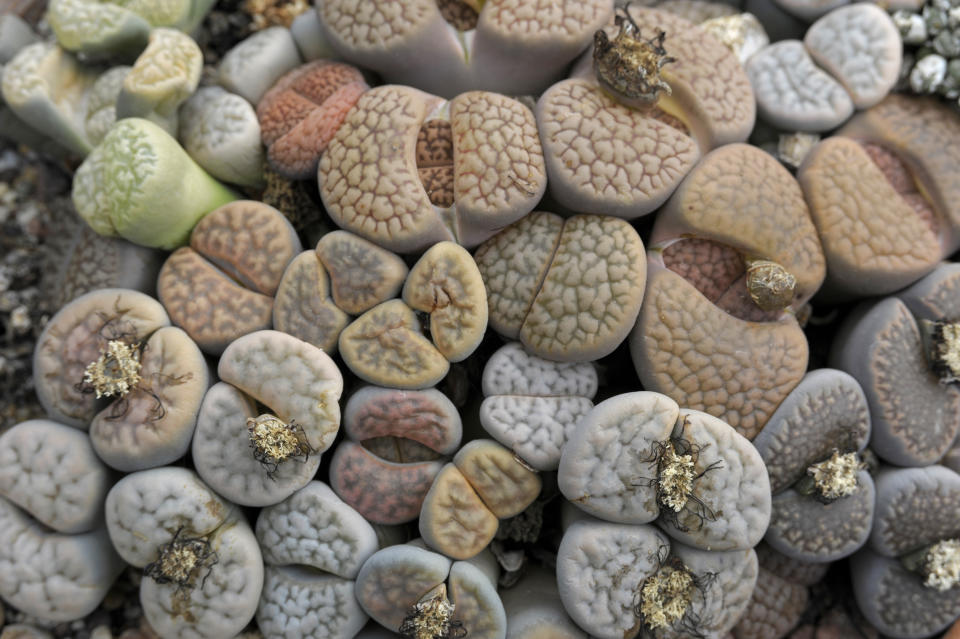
{"x": 770, "y": 285}
{"x": 938, "y": 564}
{"x": 274, "y": 441}
{"x": 629, "y": 65}
{"x": 181, "y": 561}
{"x": 432, "y": 618}
{"x": 116, "y": 371}
{"x": 832, "y": 478}
{"x": 942, "y": 341}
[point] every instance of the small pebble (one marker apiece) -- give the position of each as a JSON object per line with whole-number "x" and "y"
{"x": 928, "y": 73}
{"x": 912, "y": 28}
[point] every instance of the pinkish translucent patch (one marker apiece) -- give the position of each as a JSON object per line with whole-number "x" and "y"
{"x": 900, "y": 178}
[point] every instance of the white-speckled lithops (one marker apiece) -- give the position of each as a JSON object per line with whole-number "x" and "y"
{"x": 822, "y": 495}
{"x": 313, "y": 545}
{"x": 638, "y": 457}
{"x": 397, "y": 442}
{"x": 569, "y": 290}
{"x": 419, "y": 593}
{"x": 618, "y": 580}
{"x": 532, "y": 405}
{"x": 260, "y": 459}
{"x": 104, "y": 327}
{"x": 202, "y": 567}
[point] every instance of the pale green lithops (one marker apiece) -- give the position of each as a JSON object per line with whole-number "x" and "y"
{"x": 101, "y": 112}
{"x": 618, "y": 580}
{"x": 532, "y": 405}
{"x": 638, "y": 457}
{"x": 570, "y": 290}
{"x": 164, "y": 75}
{"x": 45, "y": 86}
{"x": 221, "y": 132}
{"x": 93, "y": 334}
{"x": 313, "y": 546}
{"x": 15, "y": 34}
{"x": 253, "y": 65}
{"x": 421, "y": 594}
{"x": 203, "y": 571}
{"x": 140, "y": 184}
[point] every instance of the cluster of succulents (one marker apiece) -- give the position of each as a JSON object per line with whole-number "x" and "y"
{"x": 492, "y": 318}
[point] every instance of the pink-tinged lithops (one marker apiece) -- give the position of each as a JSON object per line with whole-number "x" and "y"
{"x": 532, "y": 405}
{"x": 221, "y": 132}
{"x": 203, "y": 571}
{"x": 925, "y": 135}
{"x": 774, "y": 609}
{"x": 419, "y": 593}
{"x": 140, "y": 184}
{"x": 687, "y": 347}
{"x": 226, "y": 453}
{"x": 822, "y": 496}
{"x": 362, "y": 274}
{"x": 313, "y": 546}
{"x": 251, "y": 67}
{"x": 878, "y": 232}
{"x": 302, "y": 111}
{"x": 51, "y": 471}
{"x": 451, "y": 47}
{"x": 915, "y": 411}
{"x": 221, "y": 287}
{"x": 860, "y": 46}
{"x": 107, "y": 326}
{"x": 408, "y": 169}
{"x": 603, "y": 156}
{"x": 793, "y": 93}
{"x": 638, "y": 457}
{"x": 53, "y": 576}
{"x": 446, "y": 284}
{"x": 153, "y": 424}
{"x": 534, "y": 609}
{"x": 743, "y": 199}
{"x": 303, "y": 307}
{"x": 398, "y": 442}
{"x": 297, "y": 382}
{"x": 569, "y": 290}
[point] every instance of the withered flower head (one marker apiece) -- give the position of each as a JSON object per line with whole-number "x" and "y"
{"x": 770, "y": 285}
{"x": 666, "y": 595}
{"x": 941, "y": 565}
{"x": 432, "y": 618}
{"x": 274, "y": 441}
{"x": 181, "y": 561}
{"x": 116, "y": 371}
{"x": 675, "y": 478}
{"x": 942, "y": 340}
{"x": 836, "y": 477}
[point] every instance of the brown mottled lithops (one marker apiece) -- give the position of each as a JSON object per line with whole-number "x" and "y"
{"x": 303, "y": 307}
{"x": 408, "y": 169}
{"x": 532, "y": 405}
{"x": 397, "y": 441}
{"x": 80, "y": 335}
{"x": 569, "y": 290}
{"x": 361, "y": 273}
{"x": 775, "y": 608}
{"x": 222, "y": 285}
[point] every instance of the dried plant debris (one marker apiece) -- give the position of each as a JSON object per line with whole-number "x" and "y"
{"x": 432, "y": 618}
{"x": 667, "y": 599}
{"x": 832, "y": 478}
{"x": 629, "y": 65}
{"x": 273, "y": 441}
{"x": 184, "y": 561}
{"x": 116, "y": 371}
{"x": 937, "y": 564}
{"x": 771, "y": 286}
{"x": 942, "y": 341}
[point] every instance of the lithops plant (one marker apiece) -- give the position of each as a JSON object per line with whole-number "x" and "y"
{"x": 900, "y": 349}
{"x": 618, "y": 580}
{"x": 774, "y": 609}
{"x": 313, "y": 546}
{"x": 532, "y": 405}
{"x": 140, "y": 184}
{"x": 569, "y": 290}
{"x": 262, "y": 429}
{"x": 300, "y": 114}
{"x": 221, "y": 286}
{"x": 907, "y": 581}
{"x": 105, "y": 326}
{"x": 419, "y": 593}
{"x": 456, "y": 170}
{"x": 101, "y": 111}
{"x": 534, "y": 609}
{"x": 451, "y": 47}
{"x": 396, "y": 444}
{"x": 385, "y": 345}
{"x": 203, "y": 571}
{"x": 823, "y": 497}
{"x": 484, "y": 483}
{"x": 251, "y": 67}
{"x": 638, "y": 457}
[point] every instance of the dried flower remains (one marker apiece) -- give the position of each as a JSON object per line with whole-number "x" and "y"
{"x": 942, "y": 341}
{"x": 941, "y": 565}
{"x": 770, "y": 285}
{"x": 116, "y": 371}
{"x": 832, "y": 478}
{"x": 181, "y": 562}
{"x": 432, "y": 618}
{"x": 274, "y": 441}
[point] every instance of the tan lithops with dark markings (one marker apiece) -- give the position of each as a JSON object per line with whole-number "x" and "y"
{"x": 686, "y": 347}
{"x": 408, "y": 169}
{"x": 361, "y": 273}
{"x": 504, "y": 484}
{"x": 303, "y": 307}
{"x": 446, "y": 284}
{"x": 454, "y": 519}
{"x": 384, "y": 346}
{"x": 580, "y": 284}
{"x": 222, "y": 286}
